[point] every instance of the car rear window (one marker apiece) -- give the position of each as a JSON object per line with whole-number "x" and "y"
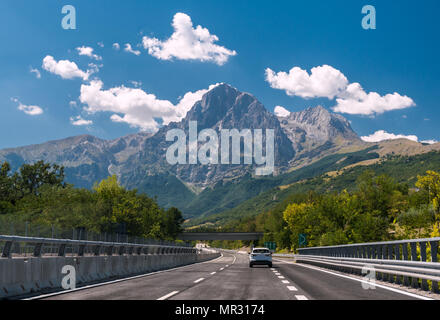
{"x": 261, "y": 251}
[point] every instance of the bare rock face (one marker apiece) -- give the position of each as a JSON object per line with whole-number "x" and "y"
{"x": 317, "y": 129}
{"x": 224, "y": 107}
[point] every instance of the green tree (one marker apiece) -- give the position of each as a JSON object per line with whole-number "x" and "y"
{"x": 32, "y": 176}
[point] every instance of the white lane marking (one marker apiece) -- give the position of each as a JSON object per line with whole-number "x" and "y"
{"x": 221, "y": 269}
{"x": 301, "y": 297}
{"x": 168, "y": 295}
{"x": 277, "y": 273}
{"x": 285, "y": 281}
{"x": 359, "y": 280}
{"x": 213, "y": 272}
{"x": 292, "y": 288}
{"x": 227, "y": 265}
{"x": 198, "y": 280}
{"x": 119, "y": 280}
{"x": 280, "y": 277}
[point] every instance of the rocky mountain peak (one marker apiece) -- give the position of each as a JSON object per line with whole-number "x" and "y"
{"x": 317, "y": 124}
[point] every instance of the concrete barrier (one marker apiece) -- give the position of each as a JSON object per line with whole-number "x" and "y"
{"x": 23, "y": 276}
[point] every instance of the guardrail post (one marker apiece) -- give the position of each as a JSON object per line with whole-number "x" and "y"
{"x": 397, "y": 252}
{"x": 62, "y": 250}
{"x": 423, "y": 258}
{"x": 370, "y": 252}
{"x": 379, "y": 256}
{"x": 7, "y": 249}
{"x": 109, "y": 250}
{"x": 37, "y": 249}
{"x": 390, "y": 257}
{"x": 81, "y": 249}
{"x": 406, "y": 258}
{"x": 97, "y": 250}
{"x": 415, "y": 281}
{"x": 434, "y": 251}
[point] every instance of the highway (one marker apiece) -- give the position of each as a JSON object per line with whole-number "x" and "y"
{"x": 230, "y": 278}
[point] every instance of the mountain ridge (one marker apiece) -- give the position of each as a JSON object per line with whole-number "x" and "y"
{"x": 138, "y": 160}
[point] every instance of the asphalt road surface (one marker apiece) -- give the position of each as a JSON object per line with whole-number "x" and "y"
{"x": 230, "y": 278}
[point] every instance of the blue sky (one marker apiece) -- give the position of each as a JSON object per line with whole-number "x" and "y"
{"x": 400, "y": 56}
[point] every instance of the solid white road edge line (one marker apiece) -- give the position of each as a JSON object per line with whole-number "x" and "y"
{"x": 359, "y": 280}
{"x": 116, "y": 281}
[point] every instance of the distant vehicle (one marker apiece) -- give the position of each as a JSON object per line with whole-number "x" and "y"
{"x": 260, "y": 256}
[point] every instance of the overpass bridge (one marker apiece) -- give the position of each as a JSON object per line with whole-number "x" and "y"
{"x": 233, "y": 236}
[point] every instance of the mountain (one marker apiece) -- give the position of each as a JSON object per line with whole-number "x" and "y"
{"x": 316, "y": 133}
{"x": 314, "y": 139}
{"x": 224, "y": 107}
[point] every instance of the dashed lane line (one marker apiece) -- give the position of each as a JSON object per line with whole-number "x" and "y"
{"x": 168, "y": 295}
{"x": 199, "y": 280}
{"x": 358, "y": 280}
{"x": 119, "y": 280}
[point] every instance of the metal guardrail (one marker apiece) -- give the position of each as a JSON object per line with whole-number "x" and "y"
{"x": 406, "y": 262}
{"x": 63, "y": 247}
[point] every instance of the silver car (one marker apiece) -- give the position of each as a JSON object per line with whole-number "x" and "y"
{"x": 260, "y": 256}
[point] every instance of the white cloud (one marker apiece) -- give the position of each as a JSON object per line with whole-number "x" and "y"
{"x": 136, "y": 84}
{"x": 79, "y": 121}
{"x": 116, "y": 46}
{"x": 188, "y": 43}
{"x": 356, "y": 101}
{"x": 328, "y": 82}
{"x": 382, "y": 135}
{"x": 36, "y": 71}
{"x": 281, "y": 112}
{"x": 64, "y": 68}
{"x": 30, "y": 110}
{"x": 324, "y": 81}
{"x": 429, "y": 141}
{"x": 101, "y": 44}
{"x": 135, "y": 106}
{"x": 129, "y": 49}
{"x": 88, "y": 51}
